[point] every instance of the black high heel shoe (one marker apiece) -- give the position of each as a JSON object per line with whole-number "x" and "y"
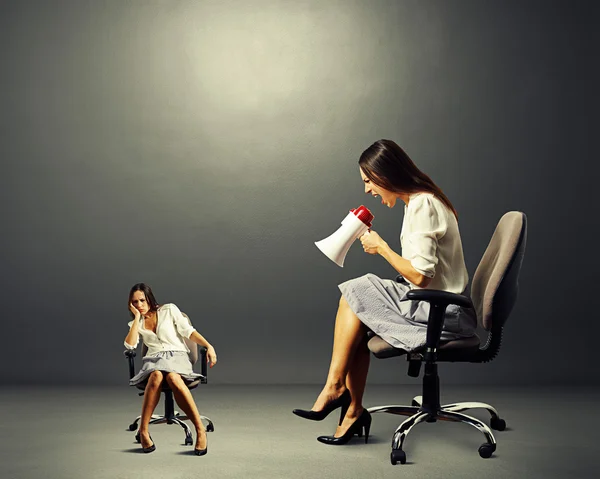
{"x": 343, "y": 401}
{"x": 149, "y": 449}
{"x": 362, "y": 422}
{"x": 202, "y": 452}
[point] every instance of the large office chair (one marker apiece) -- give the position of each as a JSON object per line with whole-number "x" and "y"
{"x": 171, "y": 416}
{"x": 493, "y": 294}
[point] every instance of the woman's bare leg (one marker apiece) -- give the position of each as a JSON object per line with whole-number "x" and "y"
{"x": 348, "y": 333}
{"x": 151, "y": 398}
{"x": 185, "y": 400}
{"x": 356, "y": 381}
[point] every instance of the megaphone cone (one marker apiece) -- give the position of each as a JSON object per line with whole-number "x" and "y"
{"x": 354, "y": 225}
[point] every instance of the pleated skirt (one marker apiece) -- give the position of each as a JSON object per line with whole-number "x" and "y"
{"x": 382, "y": 305}
{"x": 167, "y": 362}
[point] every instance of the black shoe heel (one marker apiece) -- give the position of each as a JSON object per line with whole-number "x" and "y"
{"x": 367, "y": 426}
{"x": 363, "y": 421}
{"x": 343, "y": 401}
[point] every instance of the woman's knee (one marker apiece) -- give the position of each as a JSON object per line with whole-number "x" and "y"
{"x": 174, "y": 380}
{"x": 155, "y": 378}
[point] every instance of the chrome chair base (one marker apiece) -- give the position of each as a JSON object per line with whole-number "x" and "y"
{"x": 449, "y": 412}
{"x": 176, "y": 419}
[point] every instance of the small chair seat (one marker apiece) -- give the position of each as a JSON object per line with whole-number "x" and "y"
{"x": 165, "y": 385}
{"x": 449, "y": 350}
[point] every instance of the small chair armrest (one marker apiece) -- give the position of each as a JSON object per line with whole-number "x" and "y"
{"x": 130, "y": 353}
{"x": 203, "y": 366}
{"x": 439, "y": 301}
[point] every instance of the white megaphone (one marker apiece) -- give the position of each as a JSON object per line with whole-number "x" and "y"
{"x": 356, "y": 224}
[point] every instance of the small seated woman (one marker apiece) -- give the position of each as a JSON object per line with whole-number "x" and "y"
{"x": 162, "y": 328}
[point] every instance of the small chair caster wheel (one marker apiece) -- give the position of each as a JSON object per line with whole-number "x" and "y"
{"x": 398, "y": 455}
{"x": 498, "y": 424}
{"x": 415, "y": 403}
{"x": 210, "y": 428}
{"x": 137, "y": 437}
{"x": 188, "y": 441}
{"x": 133, "y": 427}
{"x": 486, "y": 450}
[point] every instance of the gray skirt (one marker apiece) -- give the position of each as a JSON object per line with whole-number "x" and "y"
{"x": 167, "y": 362}
{"x": 381, "y": 304}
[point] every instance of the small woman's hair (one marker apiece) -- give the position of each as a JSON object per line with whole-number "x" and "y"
{"x": 388, "y": 166}
{"x": 147, "y": 290}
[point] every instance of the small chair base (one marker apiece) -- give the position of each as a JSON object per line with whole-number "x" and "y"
{"x": 175, "y": 419}
{"x": 449, "y": 412}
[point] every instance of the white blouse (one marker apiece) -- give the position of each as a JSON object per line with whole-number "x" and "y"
{"x": 171, "y": 328}
{"x": 431, "y": 242}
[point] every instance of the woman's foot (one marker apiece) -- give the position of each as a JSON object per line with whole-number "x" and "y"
{"x": 201, "y": 447}
{"x": 328, "y": 395}
{"x": 349, "y": 419}
{"x": 354, "y": 423}
{"x": 146, "y": 442}
{"x": 328, "y": 400}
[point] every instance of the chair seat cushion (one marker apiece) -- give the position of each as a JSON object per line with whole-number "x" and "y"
{"x": 454, "y": 350}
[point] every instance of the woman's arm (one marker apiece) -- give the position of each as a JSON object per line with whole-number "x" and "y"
{"x": 199, "y": 339}
{"x": 374, "y": 244}
{"x": 132, "y": 337}
{"x": 211, "y": 354}
{"x": 403, "y": 266}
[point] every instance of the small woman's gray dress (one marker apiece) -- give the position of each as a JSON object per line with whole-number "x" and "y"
{"x": 167, "y": 349}
{"x": 166, "y": 362}
{"x": 431, "y": 242}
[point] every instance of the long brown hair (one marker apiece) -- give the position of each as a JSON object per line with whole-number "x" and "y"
{"x": 388, "y": 166}
{"x": 147, "y": 290}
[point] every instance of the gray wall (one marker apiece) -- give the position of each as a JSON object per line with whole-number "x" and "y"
{"x": 202, "y": 147}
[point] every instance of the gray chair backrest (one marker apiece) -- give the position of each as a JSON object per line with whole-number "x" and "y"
{"x": 192, "y": 346}
{"x": 495, "y": 285}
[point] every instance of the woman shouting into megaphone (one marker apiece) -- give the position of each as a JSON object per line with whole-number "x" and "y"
{"x": 432, "y": 257}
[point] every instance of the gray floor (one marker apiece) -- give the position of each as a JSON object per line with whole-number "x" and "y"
{"x": 81, "y": 433}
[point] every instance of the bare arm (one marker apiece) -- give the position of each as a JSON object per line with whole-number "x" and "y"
{"x": 403, "y": 266}
{"x": 374, "y": 244}
{"x": 199, "y": 339}
{"x": 211, "y": 354}
{"x": 133, "y": 335}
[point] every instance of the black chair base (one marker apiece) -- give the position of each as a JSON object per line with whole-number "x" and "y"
{"x": 448, "y": 412}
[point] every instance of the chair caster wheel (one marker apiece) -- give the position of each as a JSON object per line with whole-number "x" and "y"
{"x": 137, "y": 437}
{"x": 498, "y": 424}
{"x": 133, "y": 427}
{"x": 398, "y": 455}
{"x": 210, "y": 428}
{"x": 188, "y": 441}
{"x": 415, "y": 403}
{"x": 486, "y": 450}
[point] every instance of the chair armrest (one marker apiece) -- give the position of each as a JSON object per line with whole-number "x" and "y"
{"x": 203, "y": 366}
{"x": 130, "y": 353}
{"x": 439, "y": 301}
{"x": 439, "y": 297}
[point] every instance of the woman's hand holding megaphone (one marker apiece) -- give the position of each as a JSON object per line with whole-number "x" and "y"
{"x": 372, "y": 243}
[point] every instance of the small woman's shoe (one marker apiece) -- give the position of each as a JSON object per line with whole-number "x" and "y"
{"x": 343, "y": 401}
{"x": 202, "y": 452}
{"x": 363, "y": 421}
{"x": 151, "y": 448}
